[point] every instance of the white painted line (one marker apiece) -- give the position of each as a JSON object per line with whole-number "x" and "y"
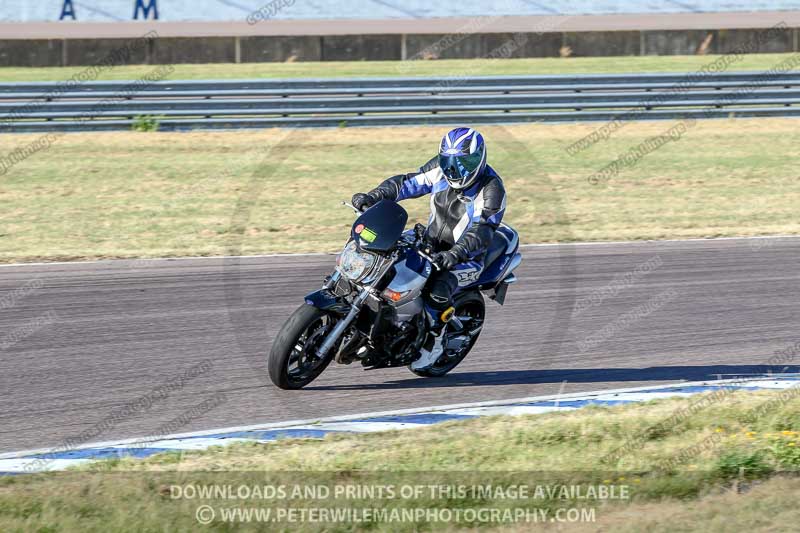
{"x": 21, "y": 465}
{"x": 417, "y": 410}
{"x": 515, "y": 410}
{"x": 181, "y": 444}
{"x": 362, "y": 427}
{"x": 772, "y": 384}
{"x": 169, "y": 259}
{"x": 322, "y": 254}
{"x": 658, "y": 241}
{"x": 642, "y": 396}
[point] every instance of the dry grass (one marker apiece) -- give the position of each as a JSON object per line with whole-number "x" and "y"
{"x": 133, "y": 194}
{"x": 564, "y": 442}
{"x": 760, "y": 432}
{"x": 450, "y": 67}
{"x": 768, "y": 506}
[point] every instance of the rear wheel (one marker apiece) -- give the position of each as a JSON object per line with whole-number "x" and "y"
{"x": 470, "y": 310}
{"x": 293, "y": 361}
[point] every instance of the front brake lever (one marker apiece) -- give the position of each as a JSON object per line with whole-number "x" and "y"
{"x": 429, "y": 259}
{"x": 356, "y": 211}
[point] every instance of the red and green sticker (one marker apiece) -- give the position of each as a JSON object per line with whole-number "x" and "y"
{"x": 365, "y": 233}
{"x": 368, "y": 235}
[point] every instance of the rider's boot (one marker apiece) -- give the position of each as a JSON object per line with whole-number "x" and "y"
{"x": 434, "y": 344}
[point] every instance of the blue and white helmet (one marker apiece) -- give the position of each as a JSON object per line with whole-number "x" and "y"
{"x": 462, "y": 157}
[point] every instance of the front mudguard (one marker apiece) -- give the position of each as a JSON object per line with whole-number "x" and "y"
{"x": 325, "y": 300}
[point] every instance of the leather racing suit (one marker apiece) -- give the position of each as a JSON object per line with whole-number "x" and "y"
{"x": 462, "y": 221}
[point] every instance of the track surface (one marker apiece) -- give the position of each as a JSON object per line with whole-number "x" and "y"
{"x": 109, "y": 333}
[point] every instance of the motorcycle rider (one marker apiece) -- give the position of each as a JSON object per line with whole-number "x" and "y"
{"x": 467, "y": 204}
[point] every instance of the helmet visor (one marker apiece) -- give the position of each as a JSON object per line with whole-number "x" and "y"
{"x": 458, "y": 168}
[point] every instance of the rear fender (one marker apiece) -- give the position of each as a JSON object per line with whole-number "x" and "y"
{"x": 498, "y": 291}
{"x": 512, "y": 265}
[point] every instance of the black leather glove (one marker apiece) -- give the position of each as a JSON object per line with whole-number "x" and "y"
{"x": 446, "y": 260}
{"x": 363, "y": 201}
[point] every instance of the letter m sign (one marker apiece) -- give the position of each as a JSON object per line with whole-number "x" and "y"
{"x": 140, "y": 7}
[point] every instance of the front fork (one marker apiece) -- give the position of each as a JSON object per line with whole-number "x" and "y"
{"x": 333, "y": 337}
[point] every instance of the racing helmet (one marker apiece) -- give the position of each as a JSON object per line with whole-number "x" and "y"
{"x": 462, "y": 157}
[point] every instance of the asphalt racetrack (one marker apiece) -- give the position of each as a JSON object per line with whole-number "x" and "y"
{"x": 119, "y": 349}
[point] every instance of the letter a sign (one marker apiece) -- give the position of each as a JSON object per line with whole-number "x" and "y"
{"x": 148, "y": 9}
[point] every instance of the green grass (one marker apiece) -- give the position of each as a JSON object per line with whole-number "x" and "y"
{"x": 451, "y": 67}
{"x": 154, "y": 194}
{"x": 756, "y": 437}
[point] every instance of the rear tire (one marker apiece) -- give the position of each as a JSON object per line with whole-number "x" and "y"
{"x": 296, "y": 344}
{"x": 470, "y": 305}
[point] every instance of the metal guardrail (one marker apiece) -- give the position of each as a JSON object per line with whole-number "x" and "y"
{"x": 181, "y": 105}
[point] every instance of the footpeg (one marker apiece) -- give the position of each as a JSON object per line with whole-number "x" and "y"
{"x": 447, "y": 314}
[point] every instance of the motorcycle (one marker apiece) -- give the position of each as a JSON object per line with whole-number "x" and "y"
{"x": 370, "y": 309}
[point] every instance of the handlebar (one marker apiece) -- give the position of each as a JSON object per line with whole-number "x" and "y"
{"x": 429, "y": 259}
{"x": 418, "y": 232}
{"x": 356, "y": 211}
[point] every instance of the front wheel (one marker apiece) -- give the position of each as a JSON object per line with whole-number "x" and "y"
{"x": 293, "y": 361}
{"x": 471, "y": 310}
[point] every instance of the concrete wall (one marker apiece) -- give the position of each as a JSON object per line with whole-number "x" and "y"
{"x": 267, "y": 49}
{"x": 70, "y": 52}
{"x": 677, "y": 42}
{"x": 189, "y": 50}
{"x": 360, "y": 47}
{"x": 36, "y": 53}
{"x": 92, "y": 51}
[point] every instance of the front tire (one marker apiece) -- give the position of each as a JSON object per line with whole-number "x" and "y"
{"x": 472, "y": 307}
{"x": 293, "y": 362}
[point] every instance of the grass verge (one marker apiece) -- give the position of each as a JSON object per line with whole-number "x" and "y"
{"x": 135, "y": 194}
{"x": 447, "y": 67}
{"x": 755, "y": 444}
